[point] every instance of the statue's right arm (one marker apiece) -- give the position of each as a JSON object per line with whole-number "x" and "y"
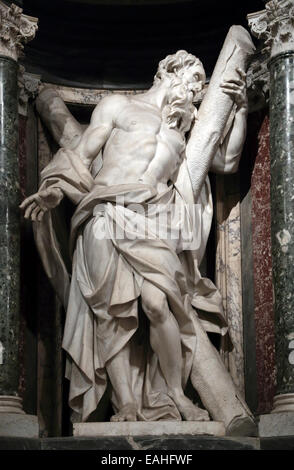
{"x": 93, "y": 139}
{"x": 100, "y": 127}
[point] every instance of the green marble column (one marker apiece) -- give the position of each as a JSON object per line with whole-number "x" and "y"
{"x": 16, "y": 29}
{"x": 9, "y": 227}
{"x": 282, "y": 220}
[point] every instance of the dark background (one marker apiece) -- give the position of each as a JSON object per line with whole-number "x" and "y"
{"x": 118, "y": 43}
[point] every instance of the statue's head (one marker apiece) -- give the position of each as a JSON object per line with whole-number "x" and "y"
{"x": 183, "y": 76}
{"x": 182, "y": 67}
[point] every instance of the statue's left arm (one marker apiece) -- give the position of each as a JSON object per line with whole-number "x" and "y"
{"x": 228, "y": 155}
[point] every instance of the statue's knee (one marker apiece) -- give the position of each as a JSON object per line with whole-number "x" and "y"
{"x": 156, "y": 308}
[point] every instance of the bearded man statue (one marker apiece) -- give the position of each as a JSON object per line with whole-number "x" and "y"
{"x": 137, "y": 239}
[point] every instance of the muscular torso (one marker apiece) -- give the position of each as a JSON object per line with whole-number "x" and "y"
{"x": 140, "y": 142}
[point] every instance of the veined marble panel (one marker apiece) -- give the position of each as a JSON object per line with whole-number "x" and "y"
{"x": 229, "y": 277}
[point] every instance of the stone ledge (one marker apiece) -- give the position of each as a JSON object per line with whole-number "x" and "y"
{"x": 151, "y": 443}
{"x": 144, "y": 443}
{"x": 20, "y": 443}
{"x": 277, "y": 443}
{"x": 142, "y": 428}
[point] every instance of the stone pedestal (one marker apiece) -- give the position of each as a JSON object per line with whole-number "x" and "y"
{"x": 276, "y": 424}
{"x": 18, "y": 425}
{"x": 15, "y": 29}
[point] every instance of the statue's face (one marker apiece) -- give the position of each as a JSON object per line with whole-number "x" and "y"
{"x": 193, "y": 78}
{"x": 181, "y": 69}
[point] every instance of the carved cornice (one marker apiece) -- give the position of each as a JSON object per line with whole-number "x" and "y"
{"x": 16, "y": 29}
{"x": 275, "y": 25}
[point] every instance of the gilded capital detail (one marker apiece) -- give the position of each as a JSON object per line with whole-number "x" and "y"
{"x": 275, "y": 25}
{"x": 16, "y": 29}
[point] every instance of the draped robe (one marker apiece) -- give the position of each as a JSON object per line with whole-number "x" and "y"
{"x": 102, "y": 293}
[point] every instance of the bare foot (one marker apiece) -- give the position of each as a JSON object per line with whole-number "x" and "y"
{"x": 188, "y": 410}
{"x": 127, "y": 412}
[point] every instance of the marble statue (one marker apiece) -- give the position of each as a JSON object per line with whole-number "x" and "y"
{"x": 138, "y": 309}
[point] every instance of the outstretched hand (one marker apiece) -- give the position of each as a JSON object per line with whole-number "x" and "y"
{"x": 236, "y": 88}
{"x": 36, "y": 205}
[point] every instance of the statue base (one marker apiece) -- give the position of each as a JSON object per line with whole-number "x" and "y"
{"x": 277, "y": 424}
{"x": 149, "y": 428}
{"x": 18, "y": 425}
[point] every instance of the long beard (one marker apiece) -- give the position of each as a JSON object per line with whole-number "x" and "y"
{"x": 179, "y": 111}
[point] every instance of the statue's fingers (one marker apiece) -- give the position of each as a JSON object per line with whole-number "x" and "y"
{"x": 41, "y": 215}
{"x": 229, "y": 91}
{"x": 230, "y": 86}
{"x": 241, "y": 73}
{"x": 40, "y": 201}
{"x": 35, "y": 213}
{"x": 236, "y": 95}
{"x": 29, "y": 210}
{"x": 27, "y": 201}
{"x": 235, "y": 81}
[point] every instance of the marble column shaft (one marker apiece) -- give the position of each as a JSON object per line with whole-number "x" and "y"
{"x": 282, "y": 210}
{"x": 9, "y": 228}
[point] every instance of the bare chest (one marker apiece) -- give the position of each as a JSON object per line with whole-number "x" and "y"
{"x": 138, "y": 118}
{"x": 139, "y": 123}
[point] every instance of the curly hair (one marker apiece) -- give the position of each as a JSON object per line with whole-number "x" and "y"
{"x": 176, "y": 65}
{"x": 183, "y": 88}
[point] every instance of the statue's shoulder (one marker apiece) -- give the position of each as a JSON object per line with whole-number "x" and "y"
{"x": 109, "y": 106}
{"x": 113, "y": 101}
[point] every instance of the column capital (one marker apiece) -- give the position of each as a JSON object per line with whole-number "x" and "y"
{"x": 16, "y": 29}
{"x": 275, "y": 25}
